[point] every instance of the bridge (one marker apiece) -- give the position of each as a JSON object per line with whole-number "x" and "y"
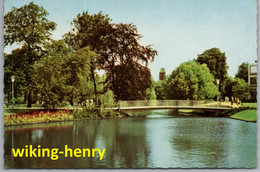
{"x": 173, "y": 104}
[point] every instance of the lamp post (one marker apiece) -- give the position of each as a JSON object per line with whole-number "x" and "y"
{"x": 12, "y": 79}
{"x": 217, "y": 81}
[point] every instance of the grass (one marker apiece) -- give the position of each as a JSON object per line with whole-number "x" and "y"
{"x": 250, "y": 104}
{"x": 186, "y": 110}
{"x": 246, "y": 115}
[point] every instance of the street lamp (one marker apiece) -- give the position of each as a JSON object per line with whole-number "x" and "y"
{"x": 217, "y": 81}
{"x": 12, "y": 79}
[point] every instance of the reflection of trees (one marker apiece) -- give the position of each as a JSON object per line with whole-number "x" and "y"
{"x": 200, "y": 142}
{"x": 125, "y": 143}
{"x": 123, "y": 139}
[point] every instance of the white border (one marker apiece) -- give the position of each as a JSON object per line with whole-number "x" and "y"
{"x": 2, "y": 110}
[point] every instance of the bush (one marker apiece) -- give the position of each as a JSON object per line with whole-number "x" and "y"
{"x": 86, "y": 112}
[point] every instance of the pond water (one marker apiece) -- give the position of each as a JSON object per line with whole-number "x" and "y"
{"x": 158, "y": 140}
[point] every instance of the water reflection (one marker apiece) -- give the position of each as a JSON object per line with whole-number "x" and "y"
{"x": 169, "y": 141}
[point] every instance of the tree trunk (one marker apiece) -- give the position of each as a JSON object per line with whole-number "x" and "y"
{"x": 94, "y": 80}
{"x": 29, "y": 98}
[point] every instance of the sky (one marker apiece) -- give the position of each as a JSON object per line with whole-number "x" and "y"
{"x": 178, "y": 29}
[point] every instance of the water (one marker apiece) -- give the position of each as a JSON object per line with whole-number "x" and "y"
{"x": 158, "y": 140}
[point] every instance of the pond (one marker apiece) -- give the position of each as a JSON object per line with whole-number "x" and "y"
{"x": 158, "y": 140}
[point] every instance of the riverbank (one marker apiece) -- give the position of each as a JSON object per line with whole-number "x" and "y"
{"x": 49, "y": 116}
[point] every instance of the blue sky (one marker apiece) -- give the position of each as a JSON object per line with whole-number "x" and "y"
{"x": 178, "y": 29}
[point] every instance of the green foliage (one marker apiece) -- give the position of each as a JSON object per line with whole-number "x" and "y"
{"x": 240, "y": 89}
{"x": 228, "y": 84}
{"x": 191, "y": 81}
{"x": 160, "y": 89}
{"x": 242, "y": 72}
{"x": 29, "y": 27}
{"x": 63, "y": 76}
{"x": 107, "y": 99}
{"x": 236, "y": 88}
{"x": 118, "y": 49}
{"x": 87, "y": 112}
{"x": 91, "y": 112}
{"x": 216, "y": 62}
{"x": 78, "y": 84}
{"x": 150, "y": 94}
{"x": 15, "y": 65}
{"x": 50, "y": 80}
{"x": 89, "y": 30}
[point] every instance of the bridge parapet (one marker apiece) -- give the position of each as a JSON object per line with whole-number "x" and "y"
{"x": 173, "y": 103}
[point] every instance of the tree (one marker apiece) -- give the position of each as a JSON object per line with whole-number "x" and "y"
{"x": 115, "y": 44}
{"x": 89, "y": 30}
{"x": 15, "y": 65}
{"x": 191, "y": 81}
{"x": 216, "y": 62}
{"x": 29, "y": 27}
{"x": 50, "y": 76}
{"x": 79, "y": 82}
{"x": 150, "y": 92}
{"x": 240, "y": 89}
{"x": 160, "y": 89}
{"x": 242, "y": 72}
{"x": 50, "y": 80}
{"x": 229, "y": 83}
{"x": 63, "y": 76}
{"x": 131, "y": 81}
{"x": 125, "y": 51}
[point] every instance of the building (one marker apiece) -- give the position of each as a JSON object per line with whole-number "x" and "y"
{"x": 162, "y": 74}
{"x": 252, "y": 81}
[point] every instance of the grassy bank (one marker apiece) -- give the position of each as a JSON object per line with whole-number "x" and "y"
{"x": 246, "y": 115}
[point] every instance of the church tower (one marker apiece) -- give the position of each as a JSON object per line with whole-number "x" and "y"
{"x": 162, "y": 74}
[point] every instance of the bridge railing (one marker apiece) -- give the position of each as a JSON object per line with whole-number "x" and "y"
{"x": 198, "y": 103}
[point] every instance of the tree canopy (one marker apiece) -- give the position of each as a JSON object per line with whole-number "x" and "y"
{"x": 28, "y": 26}
{"x": 242, "y": 72}
{"x": 191, "y": 81}
{"x": 117, "y": 47}
{"x": 240, "y": 89}
{"x": 216, "y": 62}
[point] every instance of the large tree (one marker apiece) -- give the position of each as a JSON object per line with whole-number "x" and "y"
{"x": 216, "y": 62}
{"x": 160, "y": 89}
{"x": 229, "y": 83}
{"x": 15, "y": 65}
{"x": 79, "y": 83}
{"x": 240, "y": 89}
{"x": 131, "y": 81}
{"x": 64, "y": 76}
{"x": 89, "y": 30}
{"x": 242, "y": 72}
{"x": 29, "y": 27}
{"x": 191, "y": 81}
{"x": 117, "y": 45}
{"x": 50, "y": 75}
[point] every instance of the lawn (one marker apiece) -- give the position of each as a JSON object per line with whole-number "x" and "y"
{"x": 246, "y": 115}
{"x": 250, "y": 104}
